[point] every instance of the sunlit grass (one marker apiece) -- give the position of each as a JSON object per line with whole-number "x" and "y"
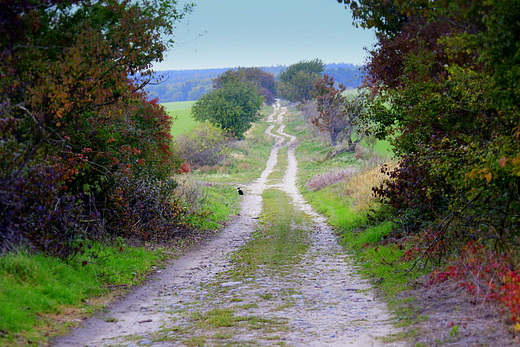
{"x": 178, "y": 105}
{"x": 180, "y": 112}
{"x": 279, "y": 240}
{"x": 34, "y": 287}
{"x": 183, "y": 122}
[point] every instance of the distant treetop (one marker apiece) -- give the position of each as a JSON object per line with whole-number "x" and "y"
{"x": 187, "y": 85}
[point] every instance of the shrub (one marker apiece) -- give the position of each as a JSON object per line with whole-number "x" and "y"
{"x": 80, "y": 141}
{"x": 488, "y": 274}
{"x": 321, "y": 181}
{"x": 146, "y": 209}
{"x": 190, "y": 193}
{"x": 205, "y": 145}
{"x": 409, "y": 191}
{"x": 35, "y": 209}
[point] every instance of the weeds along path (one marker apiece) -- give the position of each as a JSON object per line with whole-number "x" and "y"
{"x": 275, "y": 276}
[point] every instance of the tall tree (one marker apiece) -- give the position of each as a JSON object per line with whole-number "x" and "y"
{"x": 337, "y": 113}
{"x": 331, "y": 108}
{"x": 233, "y": 107}
{"x": 296, "y": 83}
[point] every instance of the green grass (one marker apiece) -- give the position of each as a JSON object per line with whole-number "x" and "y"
{"x": 178, "y": 105}
{"x": 181, "y": 114}
{"x": 36, "y": 287}
{"x": 383, "y": 148}
{"x": 335, "y": 208}
{"x": 34, "y": 284}
{"x": 279, "y": 240}
{"x": 219, "y": 204}
{"x": 182, "y": 123}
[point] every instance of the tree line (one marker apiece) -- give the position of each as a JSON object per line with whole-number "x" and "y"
{"x": 188, "y": 85}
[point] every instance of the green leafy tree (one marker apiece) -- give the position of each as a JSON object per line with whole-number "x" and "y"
{"x": 296, "y": 83}
{"x": 233, "y": 107}
{"x": 448, "y": 71}
{"x": 384, "y": 16}
{"x": 264, "y": 81}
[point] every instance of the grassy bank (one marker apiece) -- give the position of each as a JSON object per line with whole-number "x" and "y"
{"x": 42, "y": 296}
{"x": 347, "y": 204}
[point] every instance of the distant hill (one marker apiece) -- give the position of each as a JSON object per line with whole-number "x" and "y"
{"x": 188, "y": 85}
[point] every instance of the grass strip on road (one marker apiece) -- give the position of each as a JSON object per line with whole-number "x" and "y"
{"x": 280, "y": 239}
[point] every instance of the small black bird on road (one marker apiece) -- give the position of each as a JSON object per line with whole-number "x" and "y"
{"x": 240, "y": 192}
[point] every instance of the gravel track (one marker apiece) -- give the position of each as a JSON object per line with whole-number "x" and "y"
{"x": 321, "y": 301}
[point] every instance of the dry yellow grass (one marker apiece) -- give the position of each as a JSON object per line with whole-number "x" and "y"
{"x": 359, "y": 188}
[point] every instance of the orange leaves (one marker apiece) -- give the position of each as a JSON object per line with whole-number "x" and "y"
{"x": 510, "y": 165}
{"x": 482, "y": 174}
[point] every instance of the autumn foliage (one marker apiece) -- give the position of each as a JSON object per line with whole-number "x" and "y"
{"x": 83, "y": 153}
{"x": 339, "y": 115}
{"x": 448, "y": 72}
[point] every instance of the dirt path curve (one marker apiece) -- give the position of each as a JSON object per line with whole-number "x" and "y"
{"x": 320, "y": 302}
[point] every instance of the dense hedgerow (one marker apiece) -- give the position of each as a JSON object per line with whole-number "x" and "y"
{"x": 448, "y": 76}
{"x": 83, "y": 153}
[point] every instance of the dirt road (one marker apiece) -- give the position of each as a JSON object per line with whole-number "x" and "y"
{"x": 319, "y": 302}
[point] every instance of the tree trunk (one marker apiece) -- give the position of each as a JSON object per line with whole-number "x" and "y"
{"x": 334, "y": 138}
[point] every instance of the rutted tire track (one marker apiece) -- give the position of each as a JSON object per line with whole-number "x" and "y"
{"x": 322, "y": 301}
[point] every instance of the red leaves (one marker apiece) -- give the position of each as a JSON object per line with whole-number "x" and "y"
{"x": 185, "y": 168}
{"x": 486, "y": 274}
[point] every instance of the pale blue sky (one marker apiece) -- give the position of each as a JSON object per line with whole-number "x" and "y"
{"x": 247, "y": 33}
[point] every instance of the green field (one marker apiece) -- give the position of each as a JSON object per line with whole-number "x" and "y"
{"x": 180, "y": 112}
{"x": 179, "y": 105}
